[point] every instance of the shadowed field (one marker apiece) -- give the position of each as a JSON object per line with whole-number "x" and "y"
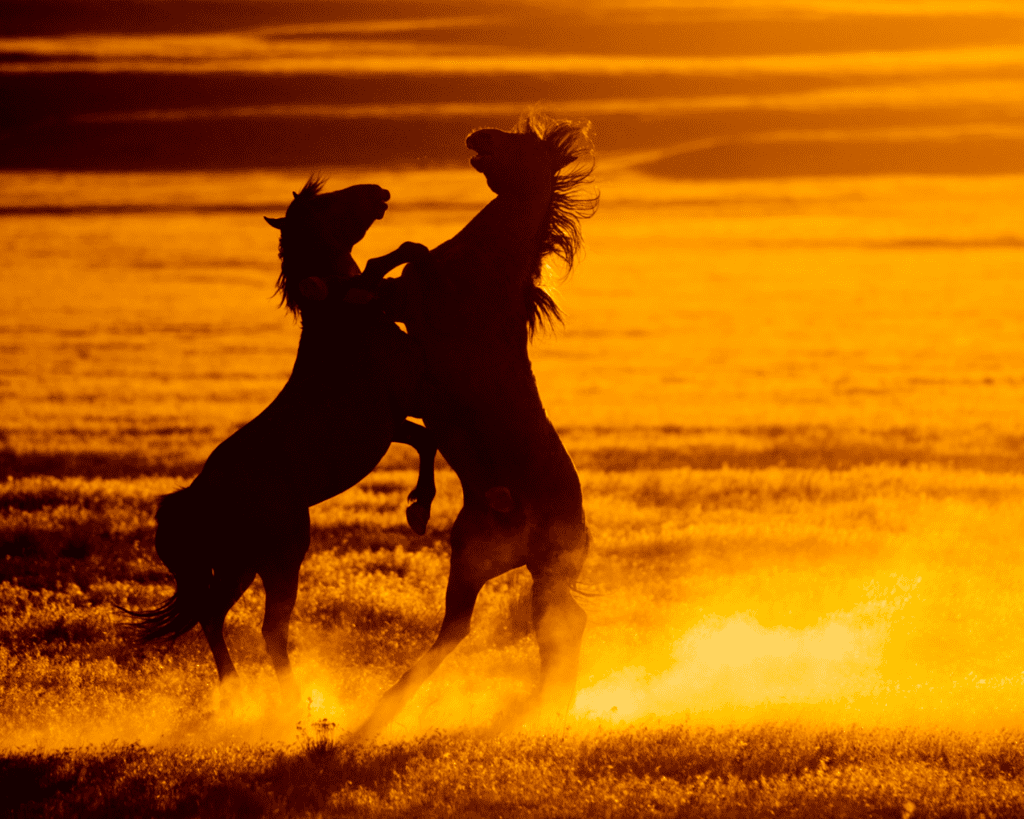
{"x": 777, "y": 771}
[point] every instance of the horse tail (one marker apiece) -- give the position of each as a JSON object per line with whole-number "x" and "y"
{"x": 180, "y": 533}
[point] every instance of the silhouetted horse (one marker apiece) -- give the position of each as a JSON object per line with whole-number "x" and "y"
{"x": 354, "y": 382}
{"x": 472, "y": 309}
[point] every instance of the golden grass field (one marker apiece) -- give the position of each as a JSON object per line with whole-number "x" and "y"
{"x": 795, "y": 406}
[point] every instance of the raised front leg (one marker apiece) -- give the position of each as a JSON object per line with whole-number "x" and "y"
{"x": 422, "y": 495}
{"x": 377, "y": 269}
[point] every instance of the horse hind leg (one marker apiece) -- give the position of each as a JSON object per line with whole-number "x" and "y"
{"x": 225, "y": 590}
{"x": 281, "y": 583}
{"x": 558, "y": 619}
{"x": 559, "y": 622}
{"x": 474, "y": 562}
{"x": 460, "y": 599}
{"x": 281, "y": 590}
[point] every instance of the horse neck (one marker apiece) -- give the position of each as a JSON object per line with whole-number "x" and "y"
{"x": 511, "y": 225}
{"x": 322, "y": 262}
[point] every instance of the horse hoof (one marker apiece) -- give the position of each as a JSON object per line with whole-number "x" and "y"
{"x": 418, "y": 514}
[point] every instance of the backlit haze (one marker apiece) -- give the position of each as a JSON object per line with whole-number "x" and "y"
{"x": 791, "y": 371}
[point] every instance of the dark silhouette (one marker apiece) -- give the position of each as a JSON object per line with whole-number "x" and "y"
{"x": 355, "y": 379}
{"x": 472, "y": 309}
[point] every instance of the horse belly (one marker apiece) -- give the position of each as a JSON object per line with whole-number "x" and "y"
{"x": 339, "y": 466}
{"x": 338, "y": 444}
{"x": 398, "y": 370}
{"x": 303, "y": 451}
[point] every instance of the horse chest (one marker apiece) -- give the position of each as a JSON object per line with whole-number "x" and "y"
{"x": 471, "y": 300}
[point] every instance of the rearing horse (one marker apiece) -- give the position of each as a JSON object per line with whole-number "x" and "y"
{"x": 356, "y": 378}
{"x": 472, "y": 309}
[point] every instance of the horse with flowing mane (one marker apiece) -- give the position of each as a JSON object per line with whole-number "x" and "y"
{"x": 355, "y": 379}
{"x": 472, "y": 308}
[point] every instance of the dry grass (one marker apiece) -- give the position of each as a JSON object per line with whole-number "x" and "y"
{"x": 795, "y": 406}
{"x": 873, "y": 558}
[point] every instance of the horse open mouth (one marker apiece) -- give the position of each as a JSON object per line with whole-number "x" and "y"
{"x": 479, "y": 158}
{"x": 479, "y": 144}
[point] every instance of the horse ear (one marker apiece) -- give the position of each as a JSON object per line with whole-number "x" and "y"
{"x": 294, "y": 195}
{"x": 275, "y": 223}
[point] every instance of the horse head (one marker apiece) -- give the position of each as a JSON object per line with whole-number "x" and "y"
{"x": 547, "y": 162}
{"x": 513, "y": 164}
{"x": 530, "y": 157}
{"x": 319, "y": 230}
{"x": 338, "y": 219}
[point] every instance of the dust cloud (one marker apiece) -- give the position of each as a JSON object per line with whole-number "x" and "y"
{"x": 723, "y": 667}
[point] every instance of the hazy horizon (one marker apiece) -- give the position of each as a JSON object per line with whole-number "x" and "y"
{"x": 718, "y": 90}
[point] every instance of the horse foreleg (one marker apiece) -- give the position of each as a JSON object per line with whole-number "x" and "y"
{"x": 377, "y": 269}
{"x": 421, "y": 497}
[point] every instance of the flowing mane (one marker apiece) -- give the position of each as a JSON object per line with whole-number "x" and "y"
{"x": 572, "y": 154}
{"x": 299, "y": 247}
{"x": 470, "y": 312}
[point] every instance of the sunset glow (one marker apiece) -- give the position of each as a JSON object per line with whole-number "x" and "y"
{"x": 790, "y": 376}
